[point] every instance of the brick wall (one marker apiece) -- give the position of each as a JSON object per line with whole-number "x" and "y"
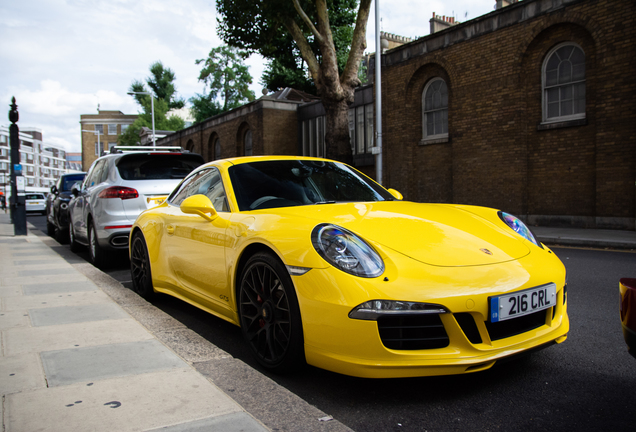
{"x": 498, "y": 153}
{"x": 274, "y": 131}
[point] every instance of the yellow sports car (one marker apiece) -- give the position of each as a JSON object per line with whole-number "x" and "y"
{"x": 318, "y": 263}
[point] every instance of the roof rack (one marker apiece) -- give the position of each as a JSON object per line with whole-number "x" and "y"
{"x": 128, "y": 149}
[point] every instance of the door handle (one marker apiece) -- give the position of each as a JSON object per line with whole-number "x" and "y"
{"x": 170, "y": 229}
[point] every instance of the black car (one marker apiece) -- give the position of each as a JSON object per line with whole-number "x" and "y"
{"x": 57, "y": 205}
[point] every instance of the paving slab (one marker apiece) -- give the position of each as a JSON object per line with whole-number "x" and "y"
{"x": 42, "y": 279}
{"x": 132, "y": 403}
{"x": 46, "y": 287}
{"x": 11, "y": 319}
{"x": 76, "y": 314}
{"x": 236, "y": 422}
{"x": 35, "y": 339}
{"x": 39, "y": 271}
{"x": 10, "y": 291}
{"x": 69, "y": 366}
{"x": 21, "y": 372}
{"x": 78, "y": 298}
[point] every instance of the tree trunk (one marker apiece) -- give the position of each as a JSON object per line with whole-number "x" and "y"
{"x": 337, "y": 140}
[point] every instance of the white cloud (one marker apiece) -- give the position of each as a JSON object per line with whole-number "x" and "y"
{"x": 61, "y": 58}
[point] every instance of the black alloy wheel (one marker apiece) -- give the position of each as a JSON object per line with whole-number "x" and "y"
{"x": 269, "y": 314}
{"x": 140, "y": 267}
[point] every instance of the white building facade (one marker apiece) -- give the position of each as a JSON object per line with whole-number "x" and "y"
{"x": 41, "y": 164}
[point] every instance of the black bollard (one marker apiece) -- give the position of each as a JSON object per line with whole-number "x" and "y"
{"x": 17, "y": 203}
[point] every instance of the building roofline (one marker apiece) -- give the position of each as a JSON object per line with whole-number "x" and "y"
{"x": 513, "y": 14}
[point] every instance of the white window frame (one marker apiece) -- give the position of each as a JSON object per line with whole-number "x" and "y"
{"x": 112, "y": 129}
{"x": 425, "y": 133}
{"x": 545, "y": 88}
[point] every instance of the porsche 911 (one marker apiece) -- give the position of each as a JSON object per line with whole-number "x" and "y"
{"x": 319, "y": 264}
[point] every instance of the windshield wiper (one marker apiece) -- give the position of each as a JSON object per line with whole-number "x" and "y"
{"x": 325, "y": 202}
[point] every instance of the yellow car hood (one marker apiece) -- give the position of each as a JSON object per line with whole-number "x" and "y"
{"x": 435, "y": 234}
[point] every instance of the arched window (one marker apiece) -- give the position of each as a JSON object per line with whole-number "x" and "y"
{"x": 435, "y": 109}
{"x": 217, "y": 148}
{"x": 564, "y": 83}
{"x": 247, "y": 143}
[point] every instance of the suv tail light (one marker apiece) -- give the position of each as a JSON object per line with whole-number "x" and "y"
{"x": 119, "y": 192}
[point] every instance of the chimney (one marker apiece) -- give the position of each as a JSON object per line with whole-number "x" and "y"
{"x": 439, "y": 23}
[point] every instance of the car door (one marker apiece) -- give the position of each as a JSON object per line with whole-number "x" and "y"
{"x": 196, "y": 246}
{"x": 78, "y": 208}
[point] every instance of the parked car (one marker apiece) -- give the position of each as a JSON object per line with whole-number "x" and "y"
{"x": 57, "y": 205}
{"x": 35, "y": 202}
{"x": 118, "y": 187}
{"x": 627, "y": 287}
{"x": 318, "y": 263}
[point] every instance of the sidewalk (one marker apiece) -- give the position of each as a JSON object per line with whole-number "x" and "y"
{"x": 80, "y": 352}
{"x": 581, "y": 237}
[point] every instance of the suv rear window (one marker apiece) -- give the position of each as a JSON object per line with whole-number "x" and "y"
{"x": 34, "y": 197}
{"x": 156, "y": 166}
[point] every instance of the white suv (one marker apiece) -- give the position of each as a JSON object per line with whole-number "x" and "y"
{"x": 118, "y": 187}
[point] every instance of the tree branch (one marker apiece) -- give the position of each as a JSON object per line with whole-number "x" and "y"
{"x": 358, "y": 44}
{"x": 307, "y": 21}
{"x": 305, "y": 50}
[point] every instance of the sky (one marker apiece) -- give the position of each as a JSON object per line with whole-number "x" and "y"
{"x": 64, "y": 58}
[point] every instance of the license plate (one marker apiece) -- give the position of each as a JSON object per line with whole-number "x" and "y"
{"x": 520, "y": 303}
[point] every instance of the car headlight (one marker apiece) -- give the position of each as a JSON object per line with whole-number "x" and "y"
{"x": 346, "y": 251}
{"x": 374, "y": 309}
{"x": 519, "y": 227}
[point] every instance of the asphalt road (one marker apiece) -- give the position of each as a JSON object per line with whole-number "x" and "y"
{"x": 587, "y": 383}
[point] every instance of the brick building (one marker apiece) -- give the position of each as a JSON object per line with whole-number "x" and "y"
{"x": 267, "y": 125}
{"x": 100, "y": 132}
{"x": 529, "y": 109}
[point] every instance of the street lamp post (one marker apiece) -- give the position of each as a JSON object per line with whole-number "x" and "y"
{"x": 98, "y": 133}
{"x": 152, "y": 109}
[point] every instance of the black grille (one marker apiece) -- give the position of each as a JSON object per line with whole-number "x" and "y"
{"x": 469, "y": 327}
{"x": 515, "y": 326}
{"x": 412, "y": 332}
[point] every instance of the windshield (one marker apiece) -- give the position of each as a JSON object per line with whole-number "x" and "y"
{"x": 156, "y": 166}
{"x": 69, "y": 181}
{"x": 285, "y": 183}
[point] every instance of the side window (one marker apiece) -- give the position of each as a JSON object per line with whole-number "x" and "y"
{"x": 563, "y": 80}
{"x": 103, "y": 175}
{"x": 206, "y": 182}
{"x": 435, "y": 109}
{"x": 89, "y": 176}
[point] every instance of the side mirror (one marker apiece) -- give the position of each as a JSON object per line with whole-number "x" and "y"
{"x": 75, "y": 190}
{"x": 53, "y": 190}
{"x": 199, "y": 205}
{"x": 396, "y": 194}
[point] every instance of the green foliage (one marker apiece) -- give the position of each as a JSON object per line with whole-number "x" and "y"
{"x": 227, "y": 78}
{"x": 204, "y": 106}
{"x": 258, "y": 27}
{"x": 162, "y": 122}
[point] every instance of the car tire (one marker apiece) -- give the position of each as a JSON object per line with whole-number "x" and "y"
{"x": 95, "y": 252}
{"x": 269, "y": 314}
{"x": 140, "y": 267}
{"x": 50, "y": 229}
{"x": 74, "y": 245}
{"x": 62, "y": 236}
